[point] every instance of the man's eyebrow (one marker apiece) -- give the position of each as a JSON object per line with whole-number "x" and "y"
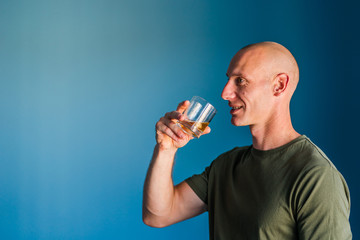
{"x": 237, "y": 75}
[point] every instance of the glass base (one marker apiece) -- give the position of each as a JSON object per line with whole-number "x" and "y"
{"x": 191, "y": 130}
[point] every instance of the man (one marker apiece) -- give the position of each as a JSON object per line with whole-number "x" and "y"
{"x": 281, "y": 187}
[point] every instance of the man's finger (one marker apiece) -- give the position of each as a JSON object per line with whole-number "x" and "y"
{"x": 207, "y": 130}
{"x": 173, "y": 115}
{"x": 174, "y": 128}
{"x": 183, "y": 106}
{"x": 163, "y": 128}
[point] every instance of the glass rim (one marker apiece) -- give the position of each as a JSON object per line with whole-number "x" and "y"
{"x": 207, "y": 102}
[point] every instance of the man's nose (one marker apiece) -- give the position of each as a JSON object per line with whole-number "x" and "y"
{"x": 228, "y": 91}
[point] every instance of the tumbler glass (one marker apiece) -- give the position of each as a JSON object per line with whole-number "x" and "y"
{"x": 197, "y": 116}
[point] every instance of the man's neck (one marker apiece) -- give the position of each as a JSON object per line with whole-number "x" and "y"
{"x": 274, "y": 134}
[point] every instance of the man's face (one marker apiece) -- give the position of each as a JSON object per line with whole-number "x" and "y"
{"x": 249, "y": 89}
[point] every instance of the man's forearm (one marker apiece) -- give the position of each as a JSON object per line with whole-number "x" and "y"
{"x": 159, "y": 188}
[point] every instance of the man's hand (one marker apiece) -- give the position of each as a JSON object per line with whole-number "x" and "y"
{"x": 168, "y": 134}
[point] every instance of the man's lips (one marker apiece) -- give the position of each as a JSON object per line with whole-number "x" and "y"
{"x": 234, "y": 105}
{"x": 235, "y": 109}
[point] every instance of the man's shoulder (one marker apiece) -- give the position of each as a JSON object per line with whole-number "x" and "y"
{"x": 313, "y": 154}
{"x": 307, "y": 159}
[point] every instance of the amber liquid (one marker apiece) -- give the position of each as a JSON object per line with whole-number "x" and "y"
{"x": 194, "y": 128}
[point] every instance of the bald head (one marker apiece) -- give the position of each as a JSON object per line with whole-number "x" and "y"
{"x": 262, "y": 80}
{"x": 273, "y": 59}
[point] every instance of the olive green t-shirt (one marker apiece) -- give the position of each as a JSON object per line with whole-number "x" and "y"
{"x": 291, "y": 192}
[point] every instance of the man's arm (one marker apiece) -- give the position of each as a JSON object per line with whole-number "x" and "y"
{"x": 163, "y": 203}
{"x": 323, "y": 205}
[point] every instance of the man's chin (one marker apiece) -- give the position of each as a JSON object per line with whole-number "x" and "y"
{"x": 237, "y": 122}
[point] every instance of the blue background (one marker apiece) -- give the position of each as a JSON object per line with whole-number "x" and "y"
{"x": 84, "y": 82}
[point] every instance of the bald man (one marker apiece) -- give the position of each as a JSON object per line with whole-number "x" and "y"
{"x": 281, "y": 187}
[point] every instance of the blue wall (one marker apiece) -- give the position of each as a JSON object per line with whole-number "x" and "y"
{"x": 83, "y": 83}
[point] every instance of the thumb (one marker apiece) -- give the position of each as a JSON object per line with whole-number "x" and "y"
{"x": 183, "y": 106}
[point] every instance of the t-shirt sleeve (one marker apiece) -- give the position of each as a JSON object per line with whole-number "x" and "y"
{"x": 323, "y": 205}
{"x": 199, "y": 184}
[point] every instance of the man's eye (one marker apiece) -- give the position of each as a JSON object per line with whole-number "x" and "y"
{"x": 240, "y": 80}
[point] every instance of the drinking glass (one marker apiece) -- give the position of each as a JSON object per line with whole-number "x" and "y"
{"x": 197, "y": 116}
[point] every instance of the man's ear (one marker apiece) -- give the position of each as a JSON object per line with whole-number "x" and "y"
{"x": 280, "y": 83}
